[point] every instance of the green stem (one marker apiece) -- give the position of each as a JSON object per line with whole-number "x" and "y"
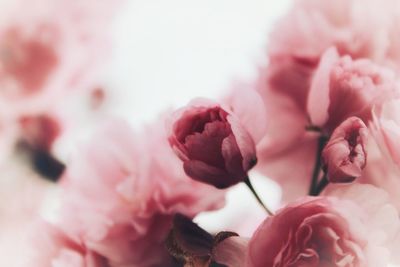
{"x": 318, "y": 161}
{"x": 250, "y": 186}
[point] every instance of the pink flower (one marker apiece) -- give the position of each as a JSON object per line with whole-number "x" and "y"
{"x": 46, "y": 54}
{"x": 353, "y": 227}
{"x": 386, "y": 127}
{"x": 345, "y": 154}
{"x": 51, "y": 247}
{"x": 296, "y": 47}
{"x": 340, "y": 88}
{"x": 121, "y": 192}
{"x": 383, "y": 168}
{"x": 312, "y": 26}
{"x": 215, "y": 146}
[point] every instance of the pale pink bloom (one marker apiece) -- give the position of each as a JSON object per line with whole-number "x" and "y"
{"x": 50, "y": 247}
{"x": 345, "y": 154}
{"x": 122, "y": 190}
{"x": 296, "y": 46}
{"x": 339, "y": 88}
{"x": 383, "y": 168}
{"x": 50, "y": 56}
{"x": 386, "y": 128}
{"x": 342, "y": 87}
{"x": 22, "y": 194}
{"x": 312, "y": 26}
{"x": 354, "y": 226}
{"x": 216, "y": 142}
{"x": 49, "y": 49}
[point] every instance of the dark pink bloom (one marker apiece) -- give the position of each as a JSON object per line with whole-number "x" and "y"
{"x": 340, "y": 230}
{"x": 207, "y": 139}
{"x": 345, "y": 154}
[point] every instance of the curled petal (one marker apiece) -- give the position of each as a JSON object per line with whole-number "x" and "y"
{"x": 345, "y": 154}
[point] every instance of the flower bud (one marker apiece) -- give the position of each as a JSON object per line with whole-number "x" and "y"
{"x": 345, "y": 154}
{"x": 213, "y": 145}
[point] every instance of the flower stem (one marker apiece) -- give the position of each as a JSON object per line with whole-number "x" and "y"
{"x": 321, "y": 186}
{"x": 250, "y": 186}
{"x": 318, "y": 161}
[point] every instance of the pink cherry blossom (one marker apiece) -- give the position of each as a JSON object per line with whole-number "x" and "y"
{"x": 345, "y": 154}
{"x": 212, "y": 141}
{"x": 121, "y": 191}
{"x": 355, "y": 226}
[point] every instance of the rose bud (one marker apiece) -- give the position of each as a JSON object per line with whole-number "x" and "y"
{"x": 345, "y": 154}
{"x": 214, "y": 146}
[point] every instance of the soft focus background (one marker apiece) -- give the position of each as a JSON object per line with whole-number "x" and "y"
{"x": 163, "y": 54}
{"x": 167, "y": 52}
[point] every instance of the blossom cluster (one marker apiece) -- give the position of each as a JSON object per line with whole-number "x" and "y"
{"x": 322, "y": 119}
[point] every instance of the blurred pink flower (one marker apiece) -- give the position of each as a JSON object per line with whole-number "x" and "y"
{"x": 48, "y": 60}
{"x": 312, "y": 26}
{"x": 121, "y": 192}
{"x": 386, "y": 128}
{"x": 51, "y": 247}
{"x": 45, "y": 55}
{"x": 355, "y": 226}
{"x": 345, "y": 154}
{"x": 212, "y": 141}
{"x": 383, "y": 168}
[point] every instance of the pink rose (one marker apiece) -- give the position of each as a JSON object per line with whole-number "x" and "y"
{"x": 345, "y": 154}
{"x": 121, "y": 191}
{"x": 213, "y": 141}
{"x": 355, "y": 226}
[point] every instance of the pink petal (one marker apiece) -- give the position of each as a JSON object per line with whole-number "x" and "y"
{"x": 244, "y": 141}
{"x": 318, "y": 99}
{"x": 249, "y": 108}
